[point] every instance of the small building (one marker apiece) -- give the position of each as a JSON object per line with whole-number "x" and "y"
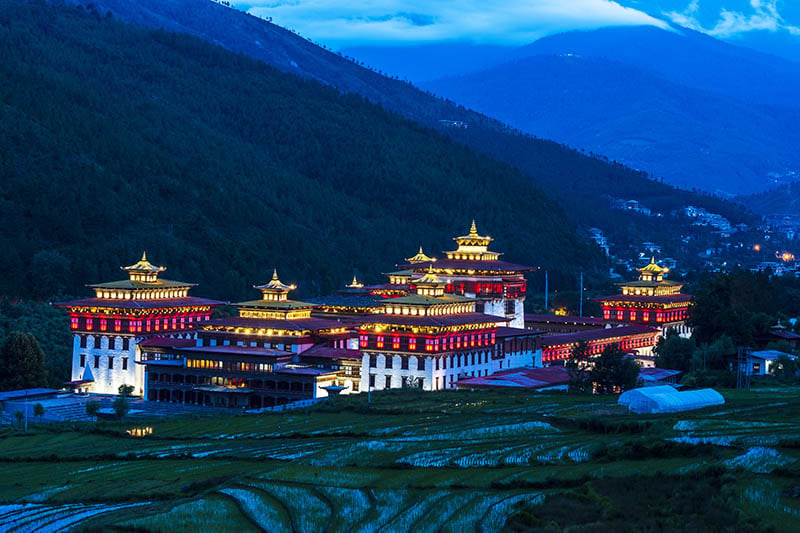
{"x": 760, "y": 363}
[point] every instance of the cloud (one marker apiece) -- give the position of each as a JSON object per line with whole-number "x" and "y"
{"x": 764, "y": 16}
{"x": 348, "y": 22}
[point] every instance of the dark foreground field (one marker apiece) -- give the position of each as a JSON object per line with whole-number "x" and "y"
{"x": 449, "y": 461}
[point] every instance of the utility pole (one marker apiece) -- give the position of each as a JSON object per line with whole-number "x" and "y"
{"x": 580, "y": 295}
{"x": 546, "y": 291}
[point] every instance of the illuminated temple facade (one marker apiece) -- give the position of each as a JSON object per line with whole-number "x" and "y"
{"x": 107, "y": 328}
{"x": 652, "y": 300}
{"x": 433, "y": 323}
{"x": 474, "y": 271}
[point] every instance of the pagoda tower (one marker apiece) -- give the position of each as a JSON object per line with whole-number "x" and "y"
{"x": 107, "y": 328}
{"x": 651, "y": 300}
{"x": 474, "y": 271}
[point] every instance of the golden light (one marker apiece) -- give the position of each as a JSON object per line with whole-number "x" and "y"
{"x": 787, "y": 256}
{"x": 757, "y": 247}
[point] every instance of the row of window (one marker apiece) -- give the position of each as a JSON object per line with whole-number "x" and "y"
{"x": 136, "y": 326}
{"x": 229, "y": 366}
{"x": 451, "y": 342}
{"x": 120, "y": 343}
{"x": 440, "y": 363}
{"x": 110, "y": 359}
{"x": 646, "y": 316}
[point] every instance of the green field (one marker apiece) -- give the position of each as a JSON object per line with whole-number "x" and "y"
{"x": 446, "y": 461}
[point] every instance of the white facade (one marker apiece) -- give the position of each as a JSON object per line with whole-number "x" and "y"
{"x": 498, "y": 308}
{"x": 111, "y": 360}
{"x": 390, "y": 371}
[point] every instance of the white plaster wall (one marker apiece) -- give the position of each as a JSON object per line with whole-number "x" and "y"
{"x": 106, "y": 380}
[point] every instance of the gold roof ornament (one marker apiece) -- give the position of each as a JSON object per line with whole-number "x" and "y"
{"x": 653, "y": 267}
{"x": 473, "y": 238}
{"x": 430, "y": 278}
{"x": 355, "y": 284}
{"x": 143, "y": 266}
{"x": 420, "y": 257}
{"x": 275, "y": 285}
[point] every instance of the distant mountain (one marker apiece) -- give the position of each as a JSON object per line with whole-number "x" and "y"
{"x": 693, "y": 138}
{"x": 582, "y": 184}
{"x": 685, "y": 57}
{"x": 767, "y": 26}
{"x": 681, "y": 105}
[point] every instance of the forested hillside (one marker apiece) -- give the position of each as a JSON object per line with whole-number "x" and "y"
{"x": 117, "y": 139}
{"x": 579, "y": 182}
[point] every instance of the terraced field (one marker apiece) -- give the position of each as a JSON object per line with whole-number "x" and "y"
{"x": 449, "y": 461}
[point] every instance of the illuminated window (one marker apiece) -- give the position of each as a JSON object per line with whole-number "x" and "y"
{"x": 379, "y": 341}
{"x": 412, "y": 343}
{"x": 118, "y": 325}
{"x": 89, "y": 324}
{"x": 395, "y": 343}
{"x": 362, "y": 341}
{"x": 74, "y": 324}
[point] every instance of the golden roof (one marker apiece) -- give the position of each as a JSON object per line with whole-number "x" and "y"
{"x": 275, "y": 285}
{"x": 429, "y": 278}
{"x": 420, "y": 257}
{"x": 473, "y": 238}
{"x": 653, "y": 267}
{"x": 143, "y": 265}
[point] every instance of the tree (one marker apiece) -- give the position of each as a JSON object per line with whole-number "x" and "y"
{"x": 19, "y": 415}
{"x": 674, "y": 352}
{"x": 578, "y": 366}
{"x": 121, "y": 404}
{"x": 613, "y": 371}
{"x": 22, "y": 364}
{"x": 38, "y": 410}
{"x": 785, "y": 368}
{"x": 92, "y": 407}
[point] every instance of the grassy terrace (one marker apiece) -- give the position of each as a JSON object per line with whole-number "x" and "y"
{"x": 450, "y": 461}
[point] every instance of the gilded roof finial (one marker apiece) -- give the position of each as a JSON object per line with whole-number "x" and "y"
{"x": 274, "y": 274}
{"x": 144, "y": 255}
{"x": 473, "y": 230}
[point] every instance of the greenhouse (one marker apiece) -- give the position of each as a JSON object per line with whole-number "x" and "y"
{"x": 666, "y": 399}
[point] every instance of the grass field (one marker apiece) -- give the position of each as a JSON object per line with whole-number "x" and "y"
{"x": 447, "y": 461}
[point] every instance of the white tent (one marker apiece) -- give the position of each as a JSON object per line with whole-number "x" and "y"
{"x": 666, "y": 399}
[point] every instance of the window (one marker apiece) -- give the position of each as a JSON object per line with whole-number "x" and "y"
{"x": 83, "y": 359}
{"x": 404, "y": 363}
{"x": 124, "y": 363}
{"x": 362, "y": 341}
{"x": 355, "y": 386}
{"x": 388, "y": 361}
{"x": 379, "y": 341}
{"x": 372, "y": 380}
{"x": 97, "y": 361}
{"x": 388, "y": 382}
{"x": 395, "y": 343}
{"x": 83, "y": 341}
{"x": 74, "y": 323}
{"x": 110, "y": 362}
{"x": 373, "y": 361}
{"x": 125, "y": 343}
{"x": 420, "y": 382}
{"x": 412, "y": 343}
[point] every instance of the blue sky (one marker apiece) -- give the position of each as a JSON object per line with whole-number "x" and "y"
{"x": 342, "y": 23}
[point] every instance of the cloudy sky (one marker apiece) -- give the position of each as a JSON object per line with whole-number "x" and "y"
{"x": 341, "y": 23}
